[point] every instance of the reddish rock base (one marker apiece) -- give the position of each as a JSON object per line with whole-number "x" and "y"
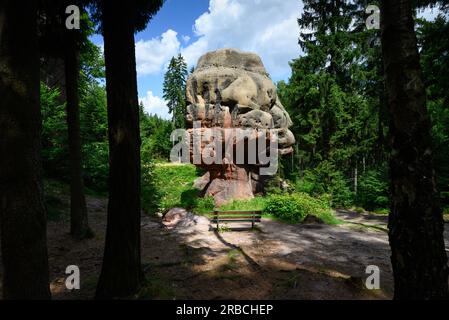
{"x": 226, "y": 183}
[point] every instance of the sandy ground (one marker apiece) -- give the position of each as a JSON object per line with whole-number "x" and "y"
{"x": 274, "y": 261}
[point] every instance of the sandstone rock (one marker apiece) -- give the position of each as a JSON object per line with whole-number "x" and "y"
{"x": 232, "y": 58}
{"x": 225, "y": 191}
{"x": 201, "y": 182}
{"x": 231, "y": 89}
{"x": 256, "y": 119}
{"x": 178, "y": 217}
{"x": 173, "y": 215}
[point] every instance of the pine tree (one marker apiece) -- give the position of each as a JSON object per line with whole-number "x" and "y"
{"x": 22, "y": 212}
{"x": 121, "y": 273}
{"x": 416, "y": 227}
{"x": 59, "y": 43}
{"x": 174, "y": 90}
{"x": 335, "y": 121}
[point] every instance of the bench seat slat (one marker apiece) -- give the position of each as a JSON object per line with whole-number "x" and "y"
{"x": 235, "y": 212}
{"x": 237, "y": 216}
{"x": 236, "y": 220}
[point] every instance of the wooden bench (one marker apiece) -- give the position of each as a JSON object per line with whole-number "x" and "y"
{"x": 235, "y": 216}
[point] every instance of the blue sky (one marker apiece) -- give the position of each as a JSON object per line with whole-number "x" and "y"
{"x": 176, "y": 15}
{"x": 194, "y": 27}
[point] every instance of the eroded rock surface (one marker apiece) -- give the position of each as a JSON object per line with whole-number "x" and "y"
{"x": 231, "y": 89}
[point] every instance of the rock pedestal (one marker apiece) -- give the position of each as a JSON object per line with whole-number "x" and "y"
{"x": 231, "y": 89}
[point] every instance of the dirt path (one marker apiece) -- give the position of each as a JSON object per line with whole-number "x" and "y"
{"x": 283, "y": 261}
{"x": 275, "y": 261}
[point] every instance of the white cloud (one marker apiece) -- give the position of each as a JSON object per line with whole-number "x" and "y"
{"x": 152, "y": 55}
{"x": 429, "y": 13}
{"x": 267, "y": 27}
{"x": 155, "y": 105}
{"x": 186, "y": 39}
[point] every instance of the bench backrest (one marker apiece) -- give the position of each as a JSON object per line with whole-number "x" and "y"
{"x": 236, "y": 215}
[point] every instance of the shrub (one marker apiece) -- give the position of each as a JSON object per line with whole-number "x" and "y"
{"x": 342, "y": 196}
{"x": 384, "y": 211}
{"x": 150, "y": 193}
{"x": 204, "y": 205}
{"x": 359, "y": 209}
{"x": 373, "y": 190}
{"x": 189, "y": 199}
{"x": 294, "y": 208}
{"x": 174, "y": 183}
{"x": 96, "y": 165}
{"x": 285, "y": 207}
{"x": 326, "y": 179}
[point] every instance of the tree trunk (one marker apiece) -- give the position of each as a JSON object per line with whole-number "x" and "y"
{"x": 415, "y": 223}
{"x": 79, "y": 227}
{"x": 22, "y": 212}
{"x": 121, "y": 273}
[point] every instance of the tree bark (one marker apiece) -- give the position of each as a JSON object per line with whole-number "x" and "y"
{"x": 415, "y": 223}
{"x": 22, "y": 212}
{"x": 121, "y": 274}
{"x": 79, "y": 227}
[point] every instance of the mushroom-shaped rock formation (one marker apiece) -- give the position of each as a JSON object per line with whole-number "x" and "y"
{"x": 231, "y": 89}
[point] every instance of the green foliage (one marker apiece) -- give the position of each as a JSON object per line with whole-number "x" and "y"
{"x": 174, "y": 89}
{"x": 204, "y": 205}
{"x": 150, "y": 193}
{"x": 143, "y": 11}
{"x": 155, "y": 135}
{"x": 55, "y": 200}
{"x": 434, "y": 43}
{"x": 257, "y": 203}
{"x": 327, "y": 181}
{"x": 93, "y": 124}
{"x": 359, "y": 209}
{"x": 174, "y": 182}
{"x": 286, "y": 208}
{"x": 54, "y": 133}
{"x": 335, "y": 99}
{"x": 383, "y": 211}
{"x": 94, "y": 135}
{"x": 96, "y": 165}
{"x": 373, "y": 191}
{"x": 294, "y": 208}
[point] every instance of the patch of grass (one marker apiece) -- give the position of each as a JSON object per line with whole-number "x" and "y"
{"x": 232, "y": 262}
{"x": 364, "y": 226}
{"x": 223, "y": 227}
{"x": 359, "y": 209}
{"x": 382, "y": 211}
{"x": 204, "y": 205}
{"x": 257, "y": 203}
{"x": 291, "y": 281}
{"x": 233, "y": 254}
{"x": 175, "y": 182}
